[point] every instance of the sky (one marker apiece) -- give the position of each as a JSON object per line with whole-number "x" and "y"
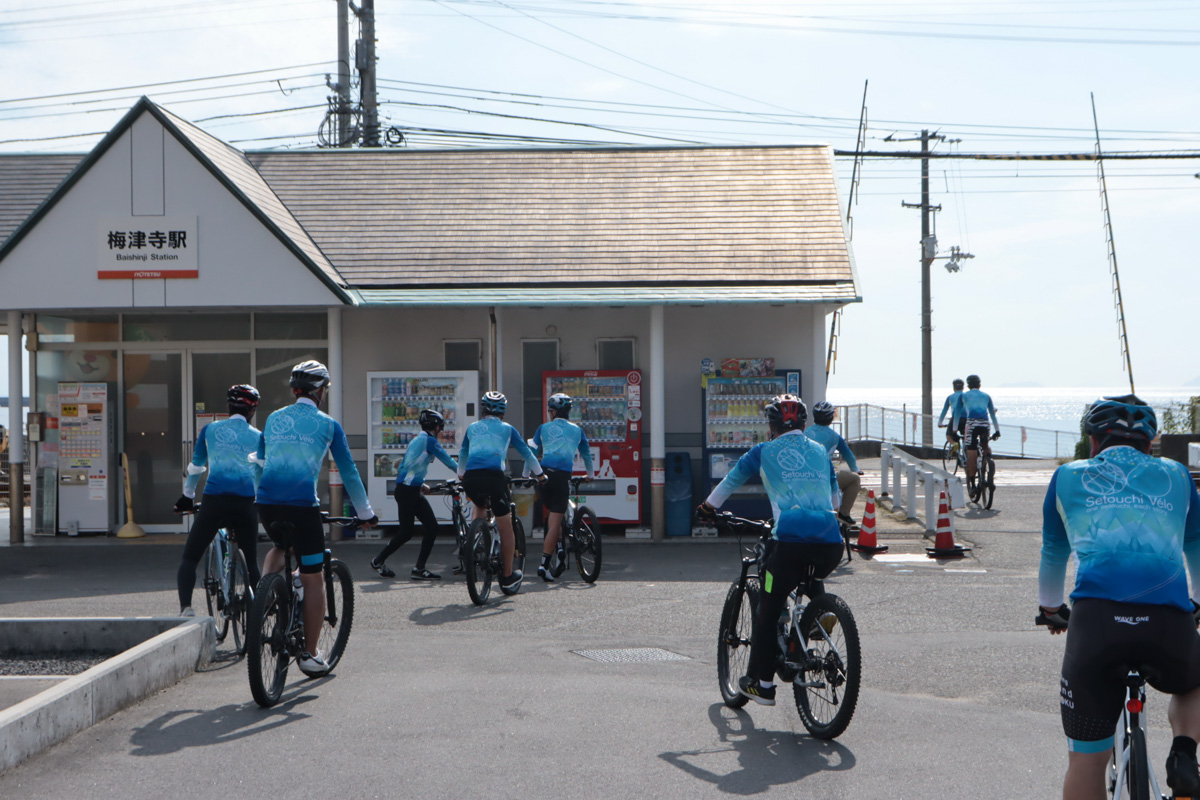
{"x": 1033, "y": 307}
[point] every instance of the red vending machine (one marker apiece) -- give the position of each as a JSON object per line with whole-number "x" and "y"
{"x": 608, "y": 406}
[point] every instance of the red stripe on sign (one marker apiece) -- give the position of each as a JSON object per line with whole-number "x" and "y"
{"x": 146, "y": 274}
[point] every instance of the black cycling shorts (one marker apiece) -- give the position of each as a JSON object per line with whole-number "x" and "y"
{"x": 1103, "y": 639}
{"x": 307, "y": 536}
{"x": 488, "y": 487}
{"x": 977, "y": 433}
{"x": 556, "y": 491}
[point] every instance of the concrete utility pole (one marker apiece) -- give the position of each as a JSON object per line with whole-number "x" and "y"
{"x": 343, "y": 84}
{"x": 365, "y": 61}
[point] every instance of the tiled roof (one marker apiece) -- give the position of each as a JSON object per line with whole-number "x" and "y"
{"x": 25, "y": 181}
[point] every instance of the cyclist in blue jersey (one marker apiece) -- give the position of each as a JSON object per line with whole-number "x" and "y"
{"x": 848, "y": 479}
{"x": 806, "y": 540}
{"x": 410, "y": 496}
{"x": 292, "y": 449}
{"x": 557, "y": 442}
{"x": 481, "y": 464}
{"x": 948, "y": 408}
{"x": 974, "y": 407}
{"x": 221, "y": 450}
{"x": 1133, "y": 522}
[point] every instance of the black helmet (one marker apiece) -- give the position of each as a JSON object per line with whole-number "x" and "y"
{"x": 786, "y": 412}
{"x": 958, "y": 384}
{"x": 309, "y": 376}
{"x": 559, "y": 402}
{"x": 430, "y": 420}
{"x": 494, "y": 403}
{"x": 1125, "y": 417}
{"x": 242, "y": 399}
{"x": 823, "y": 413}
{"x": 973, "y": 381}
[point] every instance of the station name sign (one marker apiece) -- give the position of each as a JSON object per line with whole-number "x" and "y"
{"x": 147, "y": 248}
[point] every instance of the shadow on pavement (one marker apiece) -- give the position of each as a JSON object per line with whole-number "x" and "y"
{"x": 177, "y": 730}
{"x": 431, "y": 615}
{"x": 765, "y": 758}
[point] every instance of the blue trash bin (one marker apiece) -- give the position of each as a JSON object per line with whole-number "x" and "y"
{"x": 678, "y": 494}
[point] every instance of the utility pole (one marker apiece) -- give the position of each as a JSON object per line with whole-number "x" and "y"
{"x": 365, "y": 61}
{"x": 343, "y": 82}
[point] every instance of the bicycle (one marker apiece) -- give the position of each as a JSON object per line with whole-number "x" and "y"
{"x": 954, "y": 455}
{"x": 1129, "y": 772}
{"x": 275, "y": 635}
{"x": 457, "y": 518}
{"x": 580, "y": 537}
{"x": 819, "y": 651}
{"x": 227, "y": 590}
{"x": 482, "y": 559}
{"x": 981, "y": 487}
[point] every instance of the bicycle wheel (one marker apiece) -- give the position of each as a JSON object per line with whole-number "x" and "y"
{"x": 518, "y": 554}
{"x": 826, "y": 691}
{"x": 267, "y": 657}
{"x": 477, "y": 561}
{"x": 240, "y": 597}
{"x": 733, "y": 638}
{"x": 212, "y": 591}
{"x": 589, "y": 547}
{"x": 339, "y": 612}
{"x": 949, "y": 457}
{"x": 987, "y": 482}
{"x": 460, "y": 540}
{"x": 1137, "y": 771}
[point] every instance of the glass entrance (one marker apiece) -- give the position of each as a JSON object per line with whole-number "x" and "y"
{"x": 154, "y": 437}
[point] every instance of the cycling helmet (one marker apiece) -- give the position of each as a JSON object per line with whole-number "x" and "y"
{"x": 494, "y": 403}
{"x": 958, "y": 384}
{"x": 242, "y": 399}
{"x": 973, "y": 381}
{"x": 786, "y": 412}
{"x": 1125, "y": 417}
{"x": 559, "y": 402}
{"x": 309, "y": 376}
{"x": 823, "y": 413}
{"x": 430, "y": 420}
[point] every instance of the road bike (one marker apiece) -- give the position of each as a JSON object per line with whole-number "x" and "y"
{"x": 454, "y": 489}
{"x": 580, "y": 537}
{"x": 954, "y": 456}
{"x": 818, "y": 645}
{"x": 227, "y": 589}
{"x": 981, "y": 487}
{"x": 275, "y": 634}
{"x": 482, "y": 559}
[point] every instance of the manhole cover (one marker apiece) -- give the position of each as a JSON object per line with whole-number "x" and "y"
{"x": 631, "y": 655}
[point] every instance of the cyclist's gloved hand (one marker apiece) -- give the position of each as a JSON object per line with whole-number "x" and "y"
{"x": 995, "y": 436}
{"x": 184, "y": 504}
{"x": 424, "y": 488}
{"x": 367, "y": 524}
{"x": 1055, "y": 620}
{"x": 590, "y": 477}
{"x": 860, "y": 472}
{"x": 706, "y": 513}
{"x": 541, "y": 478}
{"x": 1196, "y": 613}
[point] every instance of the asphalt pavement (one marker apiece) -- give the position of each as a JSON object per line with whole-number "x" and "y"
{"x": 437, "y": 697}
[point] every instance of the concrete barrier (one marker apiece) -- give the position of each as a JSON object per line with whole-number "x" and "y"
{"x": 174, "y": 650}
{"x": 909, "y": 472}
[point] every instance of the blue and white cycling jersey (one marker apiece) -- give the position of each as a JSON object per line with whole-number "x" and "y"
{"x": 801, "y": 485}
{"x": 832, "y": 440}
{"x": 557, "y": 441}
{"x": 485, "y": 446}
{"x": 417, "y": 458}
{"x": 975, "y": 405}
{"x": 292, "y": 446}
{"x": 222, "y": 447}
{"x": 1132, "y": 521}
{"x": 949, "y": 406}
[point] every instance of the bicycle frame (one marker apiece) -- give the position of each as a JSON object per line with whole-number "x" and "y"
{"x": 1132, "y": 717}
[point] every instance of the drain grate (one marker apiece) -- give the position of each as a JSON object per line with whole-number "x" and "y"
{"x": 631, "y": 655}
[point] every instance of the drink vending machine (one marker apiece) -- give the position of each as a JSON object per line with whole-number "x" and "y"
{"x": 394, "y": 402}
{"x": 733, "y": 422}
{"x": 608, "y": 406}
{"x": 86, "y": 459}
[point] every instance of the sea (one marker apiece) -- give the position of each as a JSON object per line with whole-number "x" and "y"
{"x": 1057, "y": 409}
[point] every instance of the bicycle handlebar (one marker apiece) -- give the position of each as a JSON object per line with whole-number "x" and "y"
{"x": 524, "y": 482}
{"x": 728, "y": 520}
{"x": 445, "y": 487}
{"x": 345, "y": 522}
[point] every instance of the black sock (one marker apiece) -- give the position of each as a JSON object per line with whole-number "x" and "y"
{"x": 1184, "y": 744}
{"x": 545, "y": 559}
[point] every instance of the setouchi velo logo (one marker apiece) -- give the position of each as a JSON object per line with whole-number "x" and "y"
{"x": 282, "y": 424}
{"x": 1127, "y": 482}
{"x": 226, "y": 435}
{"x": 792, "y": 463}
{"x": 1103, "y": 479}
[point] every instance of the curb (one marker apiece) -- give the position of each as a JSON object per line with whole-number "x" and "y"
{"x": 85, "y": 699}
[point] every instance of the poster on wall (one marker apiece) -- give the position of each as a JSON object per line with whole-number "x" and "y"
{"x": 146, "y": 248}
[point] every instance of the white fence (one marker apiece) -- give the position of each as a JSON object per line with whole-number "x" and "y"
{"x": 902, "y": 426}
{"x": 902, "y": 475}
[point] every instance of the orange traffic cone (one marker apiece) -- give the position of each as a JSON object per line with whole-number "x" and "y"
{"x": 867, "y": 541}
{"x": 943, "y": 543}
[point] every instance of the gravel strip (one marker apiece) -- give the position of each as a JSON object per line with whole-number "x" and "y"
{"x": 51, "y": 664}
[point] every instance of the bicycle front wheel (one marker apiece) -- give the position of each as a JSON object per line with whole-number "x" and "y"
{"x": 339, "y": 612}
{"x": 518, "y": 564}
{"x": 987, "y": 482}
{"x": 733, "y": 638}
{"x": 588, "y": 553}
{"x": 826, "y": 690}
{"x": 237, "y": 607}
{"x": 213, "y": 589}
{"x": 267, "y": 656}
{"x": 477, "y": 561}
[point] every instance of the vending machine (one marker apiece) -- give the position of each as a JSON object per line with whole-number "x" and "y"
{"x": 608, "y": 406}
{"x": 394, "y": 401}
{"x": 86, "y": 459}
{"x": 733, "y": 422}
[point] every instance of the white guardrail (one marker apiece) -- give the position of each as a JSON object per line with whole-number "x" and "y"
{"x": 1194, "y": 455}
{"x": 901, "y": 474}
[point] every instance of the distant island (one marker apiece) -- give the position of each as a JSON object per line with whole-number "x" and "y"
{"x": 1030, "y": 385}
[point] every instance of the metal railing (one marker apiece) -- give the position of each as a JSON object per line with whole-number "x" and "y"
{"x": 903, "y": 477}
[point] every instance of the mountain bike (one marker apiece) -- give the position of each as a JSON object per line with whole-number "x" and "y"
{"x": 580, "y": 537}
{"x": 818, "y": 644}
{"x": 227, "y": 588}
{"x": 454, "y": 489}
{"x": 482, "y": 559}
{"x": 275, "y": 633}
